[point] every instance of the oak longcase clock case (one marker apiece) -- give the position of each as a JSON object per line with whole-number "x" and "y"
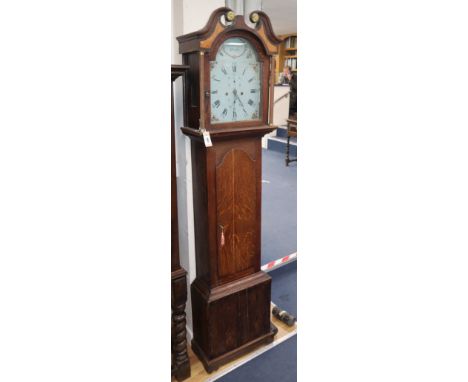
{"x": 229, "y": 95}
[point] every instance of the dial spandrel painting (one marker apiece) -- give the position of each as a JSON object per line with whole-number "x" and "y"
{"x": 235, "y": 83}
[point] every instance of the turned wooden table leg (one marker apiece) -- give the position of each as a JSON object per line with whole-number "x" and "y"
{"x": 180, "y": 360}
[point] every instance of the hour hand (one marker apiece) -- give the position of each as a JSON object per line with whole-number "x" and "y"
{"x": 242, "y": 105}
{"x": 236, "y": 95}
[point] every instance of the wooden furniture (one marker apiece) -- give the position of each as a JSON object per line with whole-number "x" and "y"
{"x": 230, "y": 295}
{"x": 199, "y": 374}
{"x": 180, "y": 366}
{"x": 287, "y": 51}
{"x": 292, "y": 132}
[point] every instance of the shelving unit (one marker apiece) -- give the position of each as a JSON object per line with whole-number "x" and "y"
{"x": 287, "y": 51}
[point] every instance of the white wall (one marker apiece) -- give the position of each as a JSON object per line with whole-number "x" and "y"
{"x": 196, "y": 13}
{"x": 176, "y": 29}
{"x": 187, "y": 16}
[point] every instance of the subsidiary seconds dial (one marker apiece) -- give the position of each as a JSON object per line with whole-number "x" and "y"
{"x": 235, "y": 83}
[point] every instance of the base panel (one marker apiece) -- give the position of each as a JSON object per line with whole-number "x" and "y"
{"x": 232, "y": 319}
{"x": 211, "y": 365}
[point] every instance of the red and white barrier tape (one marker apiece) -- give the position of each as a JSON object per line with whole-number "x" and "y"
{"x": 280, "y": 262}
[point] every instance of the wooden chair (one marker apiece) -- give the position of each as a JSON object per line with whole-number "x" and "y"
{"x": 292, "y": 132}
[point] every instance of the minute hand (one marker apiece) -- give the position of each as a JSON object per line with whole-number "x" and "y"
{"x": 242, "y": 105}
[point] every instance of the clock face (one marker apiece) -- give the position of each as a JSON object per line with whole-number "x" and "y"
{"x": 235, "y": 83}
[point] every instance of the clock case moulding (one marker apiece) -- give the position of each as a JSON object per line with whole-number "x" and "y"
{"x": 231, "y": 295}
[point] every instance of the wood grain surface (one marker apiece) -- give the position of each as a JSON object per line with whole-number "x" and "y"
{"x": 199, "y": 373}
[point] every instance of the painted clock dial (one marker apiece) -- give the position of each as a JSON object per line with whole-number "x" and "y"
{"x": 235, "y": 83}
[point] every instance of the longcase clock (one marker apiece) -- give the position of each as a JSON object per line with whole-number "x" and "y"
{"x": 229, "y": 94}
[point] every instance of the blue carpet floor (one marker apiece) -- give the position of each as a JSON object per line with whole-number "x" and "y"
{"x": 276, "y": 365}
{"x": 279, "y": 207}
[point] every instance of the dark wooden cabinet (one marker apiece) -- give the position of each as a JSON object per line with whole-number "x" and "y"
{"x": 180, "y": 366}
{"x": 231, "y": 296}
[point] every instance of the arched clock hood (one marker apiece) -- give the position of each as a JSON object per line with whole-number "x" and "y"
{"x": 203, "y": 39}
{"x": 199, "y": 48}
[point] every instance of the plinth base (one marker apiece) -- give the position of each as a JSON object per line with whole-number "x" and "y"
{"x": 231, "y": 319}
{"x": 213, "y": 364}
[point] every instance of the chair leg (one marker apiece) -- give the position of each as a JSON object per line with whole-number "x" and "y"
{"x": 287, "y": 151}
